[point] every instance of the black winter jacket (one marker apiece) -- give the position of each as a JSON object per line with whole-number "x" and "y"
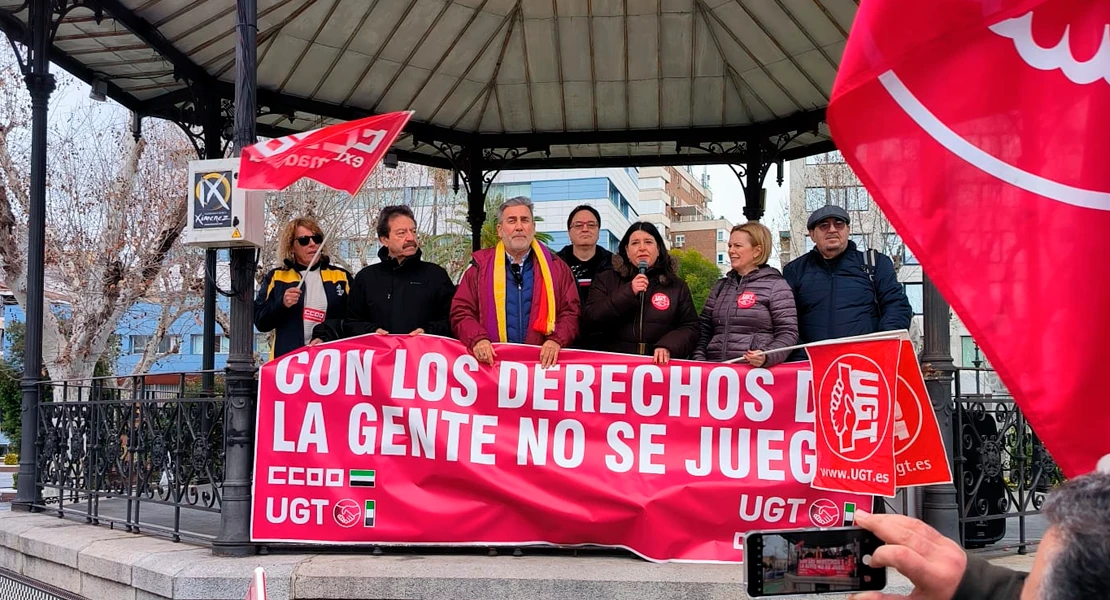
{"x": 400, "y": 298}
{"x": 584, "y": 274}
{"x": 748, "y": 312}
{"x": 586, "y": 271}
{"x": 270, "y": 313}
{"x": 613, "y": 312}
{"x": 836, "y": 298}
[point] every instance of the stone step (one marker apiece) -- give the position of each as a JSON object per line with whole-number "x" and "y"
{"x": 100, "y": 563}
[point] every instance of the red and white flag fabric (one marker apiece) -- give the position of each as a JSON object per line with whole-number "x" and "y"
{"x": 339, "y": 156}
{"x": 854, "y": 387}
{"x": 919, "y": 454}
{"x": 257, "y": 588}
{"x": 982, "y": 128}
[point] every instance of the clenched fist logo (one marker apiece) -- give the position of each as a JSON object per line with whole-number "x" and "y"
{"x": 854, "y": 404}
{"x": 842, "y": 412}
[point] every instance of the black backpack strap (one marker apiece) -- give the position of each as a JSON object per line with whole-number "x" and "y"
{"x": 870, "y": 265}
{"x": 870, "y": 260}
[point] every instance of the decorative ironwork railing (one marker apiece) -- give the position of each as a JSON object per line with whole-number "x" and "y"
{"x": 131, "y": 452}
{"x": 1002, "y": 472}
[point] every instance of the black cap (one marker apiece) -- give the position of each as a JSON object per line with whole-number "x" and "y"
{"x": 830, "y": 210}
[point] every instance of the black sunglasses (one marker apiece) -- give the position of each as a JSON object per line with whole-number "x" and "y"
{"x": 304, "y": 239}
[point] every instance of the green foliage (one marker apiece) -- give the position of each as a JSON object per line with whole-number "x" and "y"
{"x": 698, "y": 273}
{"x": 11, "y": 371}
{"x": 11, "y": 458}
{"x": 11, "y": 397}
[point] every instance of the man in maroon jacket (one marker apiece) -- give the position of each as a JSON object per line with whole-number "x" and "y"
{"x": 518, "y": 292}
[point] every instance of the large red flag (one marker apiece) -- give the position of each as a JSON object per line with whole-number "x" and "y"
{"x": 339, "y": 156}
{"x": 982, "y": 128}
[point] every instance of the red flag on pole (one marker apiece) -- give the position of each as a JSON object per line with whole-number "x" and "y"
{"x": 340, "y": 156}
{"x": 983, "y": 131}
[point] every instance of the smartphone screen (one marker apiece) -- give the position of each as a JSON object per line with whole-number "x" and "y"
{"x": 811, "y": 561}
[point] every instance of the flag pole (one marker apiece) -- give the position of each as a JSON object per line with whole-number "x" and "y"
{"x": 881, "y": 335}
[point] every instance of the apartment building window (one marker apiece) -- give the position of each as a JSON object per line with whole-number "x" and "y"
{"x": 679, "y": 241}
{"x": 833, "y": 157}
{"x": 896, "y": 247}
{"x": 168, "y": 343}
{"x": 969, "y": 353}
{"x": 838, "y": 196}
{"x": 720, "y": 235}
{"x": 861, "y": 240}
{"x": 858, "y": 198}
{"x": 510, "y": 190}
{"x": 815, "y": 198}
{"x": 915, "y": 294}
{"x": 221, "y": 343}
{"x": 720, "y": 258}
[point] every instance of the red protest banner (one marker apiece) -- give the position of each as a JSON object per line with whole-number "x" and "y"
{"x": 340, "y": 156}
{"x": 854, "y": 387}
{"x": 403, "y": 440}
{"x": 966, "y": 178}
{"x": 919, "y": 454}
{"x": 827, "y": 567}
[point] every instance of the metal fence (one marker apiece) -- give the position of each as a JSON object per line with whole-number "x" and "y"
{"x": 1002, "y": 472}
{"x": 132, "y": 453}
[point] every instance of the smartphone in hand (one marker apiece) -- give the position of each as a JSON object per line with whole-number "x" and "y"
{"x": 811, "y": 561}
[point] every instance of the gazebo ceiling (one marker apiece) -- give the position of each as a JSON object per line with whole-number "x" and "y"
{"x": 591, "y": 81}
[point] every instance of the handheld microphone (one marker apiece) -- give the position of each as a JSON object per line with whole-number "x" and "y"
{"x": 643, "y": 267}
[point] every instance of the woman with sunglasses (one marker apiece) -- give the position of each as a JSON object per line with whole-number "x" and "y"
{"x": 305, "y": 296}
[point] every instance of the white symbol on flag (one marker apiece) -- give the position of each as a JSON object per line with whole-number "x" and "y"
{"x": 901, "y": 430}
{"x": 855, "y": 413}
{"x": 1060, "y": 56}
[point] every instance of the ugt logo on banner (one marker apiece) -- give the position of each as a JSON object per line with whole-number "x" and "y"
{"x": 854, "y": 391}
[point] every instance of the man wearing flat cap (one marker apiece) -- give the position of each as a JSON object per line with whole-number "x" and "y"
{"x": 839, "y": 290}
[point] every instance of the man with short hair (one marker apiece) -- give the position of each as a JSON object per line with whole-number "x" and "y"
{"x": 840, "y": 291}
{"x": 401, "y": 294}
{"x": 1072, "y": 563}
{"x": 585, "y": 257}
{"x": 516, "y": 292}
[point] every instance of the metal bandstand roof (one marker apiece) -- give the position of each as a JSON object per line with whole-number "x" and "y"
{"x": 588, "y": 82}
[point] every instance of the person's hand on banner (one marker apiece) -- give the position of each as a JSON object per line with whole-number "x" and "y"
{"x": 381, "y": 331}
{"x": 933, "y": 563}
{"x": 483, "y": 351}
{"x": 662, "y": 356}
{"x": 291, "y": 297}
{"x": 315, "y": 341}
{"x": 549, "y": 354}
{"x": 417, "y": 331}
{"x": 755, "y": 358}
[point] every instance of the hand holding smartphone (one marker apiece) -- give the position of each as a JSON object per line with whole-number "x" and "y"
{"x": 811, "y": 561}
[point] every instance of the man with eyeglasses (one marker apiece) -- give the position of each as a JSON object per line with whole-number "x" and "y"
{"x": 402, "y": 294}
{"x": 304, "y": 298}
{"x": 585, "y": 258}
{"x": 839, "y": 290}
